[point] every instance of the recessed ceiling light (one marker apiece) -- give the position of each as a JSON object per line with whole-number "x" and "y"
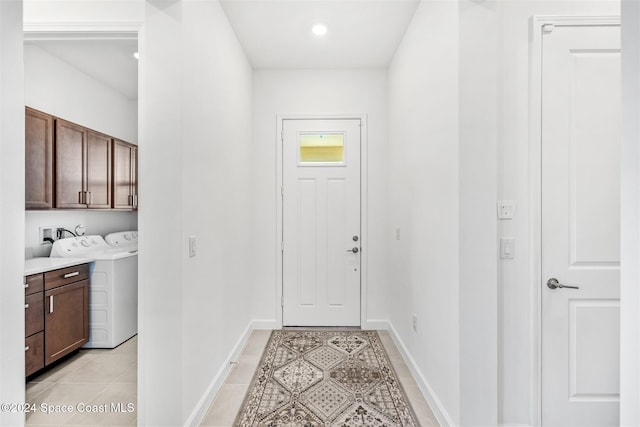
{"x": 136, "y": 55}
{"x": 319, "y": 30}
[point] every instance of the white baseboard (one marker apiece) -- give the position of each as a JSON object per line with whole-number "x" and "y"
{"x": 200, "y": 410}
{"x": 432, "y": 399}
{"x": 265, "y": 324}
{"x": 376, "y": 325}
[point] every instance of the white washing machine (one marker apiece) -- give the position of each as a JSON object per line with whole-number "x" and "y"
{"x": 113, "y": 288}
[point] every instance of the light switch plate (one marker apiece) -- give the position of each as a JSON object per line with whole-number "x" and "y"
{"x": 507, "y": 247}
{"x": 192, "y": 246}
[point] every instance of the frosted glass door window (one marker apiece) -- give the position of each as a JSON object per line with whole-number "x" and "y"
{"x": 321, "y": 148}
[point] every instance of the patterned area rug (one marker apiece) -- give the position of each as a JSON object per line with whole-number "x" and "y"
{"x": 310, "y": 378}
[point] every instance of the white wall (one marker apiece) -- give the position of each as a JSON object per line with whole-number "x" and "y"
{"x": 11, "y": 210}
{"x": 160, "y": 219}
{"x": 630, "y": 251}
{"x": 516, "y": 295}
{"x": 217, "y": 195}
{"x": 319, "y": 92}
{"x": 478, "y": 128}
{"x": 424, "y": 183}
{"x": 57, "y": 88}
{"x": 195, "y": 97}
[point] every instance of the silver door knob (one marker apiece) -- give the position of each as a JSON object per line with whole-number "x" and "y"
{"x": 554, "y": 284}
{"x": 355, "y": 250}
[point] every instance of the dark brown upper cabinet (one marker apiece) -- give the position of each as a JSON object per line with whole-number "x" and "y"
{"x": 125, "y": 169}
{"x": 83, "y": 167}
{"x": 68, "y": 166}
{"x": 38, "y": 160}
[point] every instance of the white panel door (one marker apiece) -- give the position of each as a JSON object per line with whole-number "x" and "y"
{"x": 580, "y": 225}
{"x": 321, "y": 222}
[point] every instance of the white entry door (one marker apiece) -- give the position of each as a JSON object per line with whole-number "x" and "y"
{"x": 321, "y": 222}
{"x": 580, "y": 225}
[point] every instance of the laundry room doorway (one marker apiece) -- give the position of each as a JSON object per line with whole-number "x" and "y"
{"x": 87, "y": 74}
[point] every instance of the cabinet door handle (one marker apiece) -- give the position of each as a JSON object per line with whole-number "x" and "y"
{"x": 26, "y": 348}
{"x": 26, "y": 306}
{"x": 75, "y": 273}
{"x": 26, "y": 286}
{"x": 50, "y": 303}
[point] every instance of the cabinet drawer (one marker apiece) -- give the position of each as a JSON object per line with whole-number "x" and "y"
{"x": 33, "y": 314}
{"x": 33, "y": 284}
{"x": 53, "y": 279}
{"x": 34, "y": 353}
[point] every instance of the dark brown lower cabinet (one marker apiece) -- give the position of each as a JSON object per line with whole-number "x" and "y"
{"x": 34, "y": 353}
{"x": 33, "y": 314}
{"x": 33, "y": 323}
{"x": 66, "y": 319}
{"x": 56, "y": 311}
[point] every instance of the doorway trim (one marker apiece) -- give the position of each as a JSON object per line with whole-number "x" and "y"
{"x": 363, "y": 206}
{"x": 536, "y": 24}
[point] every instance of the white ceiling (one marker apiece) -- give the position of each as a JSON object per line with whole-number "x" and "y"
{"x": 273, "y": 33}
{"x": 109, "y": 61}
{"x": 362, "y": 33}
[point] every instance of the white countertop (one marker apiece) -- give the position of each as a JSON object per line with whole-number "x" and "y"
{"x": 40, "y": 265}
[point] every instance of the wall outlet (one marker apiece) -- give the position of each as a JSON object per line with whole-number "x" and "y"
{"x": 414, "y": 318}
{"x": 48, "y": 232}
{"x": 397, "y": 233}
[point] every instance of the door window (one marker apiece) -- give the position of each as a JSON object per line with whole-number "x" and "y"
{"x": 321, "y": 148}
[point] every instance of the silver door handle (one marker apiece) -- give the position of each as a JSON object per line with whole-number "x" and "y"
{"x": 50, "y": 303}
{"x": 75, "y": 273}
{"x": 554, "y": 284}
{"x": 355, "y": 250}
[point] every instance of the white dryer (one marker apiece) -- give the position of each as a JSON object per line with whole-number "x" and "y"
{"x": 113, "y": 288}
{"x": 123, "y": 239}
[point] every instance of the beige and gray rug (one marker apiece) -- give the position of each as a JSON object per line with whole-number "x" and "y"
{"x": 313, "y": 378}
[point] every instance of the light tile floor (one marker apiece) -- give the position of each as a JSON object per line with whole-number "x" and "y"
{"x": 99, "y": 377}
{"x": 92, "y": 378}
{"x": 223, "y": 411}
